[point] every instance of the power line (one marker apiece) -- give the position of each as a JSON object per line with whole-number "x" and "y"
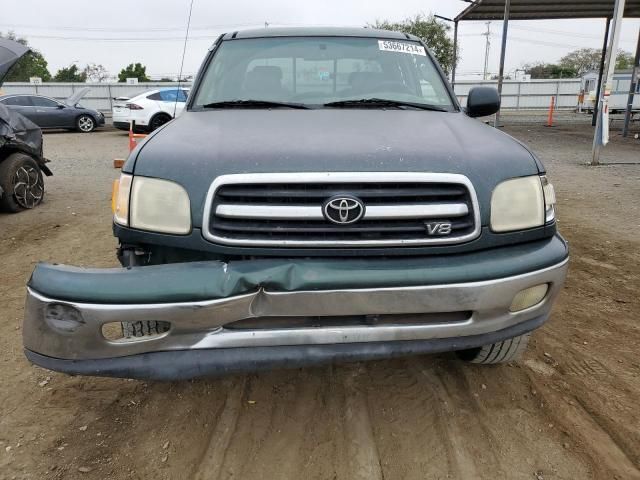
{"x": 130, "y": 30}
{"x": 543, "y": 42}
{"x": 123, "y": 39}
{"x": 559, "y": 32}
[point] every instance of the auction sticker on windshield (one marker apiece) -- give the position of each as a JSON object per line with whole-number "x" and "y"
{"x": 402, "y": 47}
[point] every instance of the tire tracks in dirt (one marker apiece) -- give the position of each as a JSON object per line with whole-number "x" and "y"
{"x": 603, "y": 400}
{"x": 361, "y": 451}
{"x": 598, "y": 448}
{"x": 461, "y": 460}
{"x": 277, "y": 425}
{"x": 212, "y": 458}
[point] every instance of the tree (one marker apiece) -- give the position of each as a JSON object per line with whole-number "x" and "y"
{"x": 549, "y": 70}
{"x": 587, "y": 59}
{"x": 624, "y": 60}
{"x": 95, "y": 72}
{"x": 433, "y": 33}
{"x": 70, "y": 74}
{"x": 32, "y": 64}
{"x": 137, "y": 70}
{"x": 582, "y": 60}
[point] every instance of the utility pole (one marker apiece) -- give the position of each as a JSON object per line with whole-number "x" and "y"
{"x": 487, "y": 47}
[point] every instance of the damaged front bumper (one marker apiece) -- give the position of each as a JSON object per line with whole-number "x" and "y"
{"x": 361, "y": 309}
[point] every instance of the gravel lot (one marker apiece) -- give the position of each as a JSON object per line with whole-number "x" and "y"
{"x": 569, "y": 410}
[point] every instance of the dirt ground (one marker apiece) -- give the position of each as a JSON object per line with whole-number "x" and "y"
{"x": 569, "y": 410}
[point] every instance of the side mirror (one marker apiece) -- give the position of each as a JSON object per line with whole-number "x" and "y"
{"x": 60, "y": 106}
{"x": 483, "y": 101}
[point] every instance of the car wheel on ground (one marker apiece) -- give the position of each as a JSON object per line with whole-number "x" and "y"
{"x": 21, "y": 183}
{"x": 158, "y": 120}
{"x": 500, "y": 352}
{"x": 85, "y": 123}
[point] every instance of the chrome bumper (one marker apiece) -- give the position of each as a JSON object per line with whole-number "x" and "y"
{"x": 201, "y": 325}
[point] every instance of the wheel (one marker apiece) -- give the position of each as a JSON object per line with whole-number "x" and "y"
{"x": 85, "y": 123}
{"x": 500, "y": 352}
{"x": 158, "y": 120}
{"x": 143, "y": 328}
{"x": 21, "y": 183}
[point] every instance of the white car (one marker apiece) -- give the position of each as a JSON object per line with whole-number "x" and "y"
{"x": 150, "y": 109}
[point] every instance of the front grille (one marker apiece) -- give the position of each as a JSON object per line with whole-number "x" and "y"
{"x": 287, "y": 209}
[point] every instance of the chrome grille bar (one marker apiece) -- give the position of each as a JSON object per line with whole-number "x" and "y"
{"x": 374, "y": 212}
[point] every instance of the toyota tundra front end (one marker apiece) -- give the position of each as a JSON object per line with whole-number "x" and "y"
{"x": 324, "y": 197}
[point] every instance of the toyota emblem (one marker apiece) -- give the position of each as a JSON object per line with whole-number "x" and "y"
{"x": 343, "y": 209}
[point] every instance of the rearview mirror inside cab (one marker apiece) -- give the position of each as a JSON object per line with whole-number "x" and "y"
{"x": 483, "y": 101}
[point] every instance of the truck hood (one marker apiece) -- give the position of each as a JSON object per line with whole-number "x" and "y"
{"x": 199, "y": 146}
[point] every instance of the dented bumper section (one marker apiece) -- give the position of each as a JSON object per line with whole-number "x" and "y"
{"x": 239, "y": 316}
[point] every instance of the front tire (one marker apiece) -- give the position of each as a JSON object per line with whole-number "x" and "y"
{"x": 500, "y": 352}
{"x": 21, "y": 183}
{"x": 85, "y": 124}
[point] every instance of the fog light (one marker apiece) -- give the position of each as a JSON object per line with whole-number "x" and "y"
{"x": 528, "y": 297}
{"x": 63, "y": 318}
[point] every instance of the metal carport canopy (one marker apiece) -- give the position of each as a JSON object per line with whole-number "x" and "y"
{"x": 506, "y": 10}
{"x": 546, "y": 9}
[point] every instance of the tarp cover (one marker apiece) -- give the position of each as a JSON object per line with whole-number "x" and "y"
{"x": 20, "y": 132}
{"x": 196, "y": 281}
{"x": 16, "y": 131}
{"x": 10, "y": 53}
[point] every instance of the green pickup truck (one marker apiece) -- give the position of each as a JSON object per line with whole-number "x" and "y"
{"x": 323, "y": 197}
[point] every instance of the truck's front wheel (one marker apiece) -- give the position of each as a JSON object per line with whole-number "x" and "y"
{"x": 500, "y": 352}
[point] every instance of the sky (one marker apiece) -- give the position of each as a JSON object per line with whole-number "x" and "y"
{"x": 118, "y": 32}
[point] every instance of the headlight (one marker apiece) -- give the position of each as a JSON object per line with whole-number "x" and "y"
{"x": 153, "y": 204}
{"x": 159, "y": 206}
{"x": 517, "y": 204}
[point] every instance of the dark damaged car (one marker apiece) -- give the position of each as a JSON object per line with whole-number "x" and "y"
{"x": 323, "y": 197}
{"x": 22, "y": 163}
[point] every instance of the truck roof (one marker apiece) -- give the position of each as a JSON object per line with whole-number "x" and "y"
{"x": 318, "y": 32}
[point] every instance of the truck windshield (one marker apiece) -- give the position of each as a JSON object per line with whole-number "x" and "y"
{"x": 316, "y": 71}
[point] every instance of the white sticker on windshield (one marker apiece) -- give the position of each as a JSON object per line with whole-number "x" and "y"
{"x": 402, "y": 47}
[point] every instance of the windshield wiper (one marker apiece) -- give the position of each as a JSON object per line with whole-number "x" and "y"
{"x": 383, "y": 102}
{"x": 254, "y": 104}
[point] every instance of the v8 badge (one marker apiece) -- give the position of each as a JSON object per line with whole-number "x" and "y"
{"x": 438, "y": 228}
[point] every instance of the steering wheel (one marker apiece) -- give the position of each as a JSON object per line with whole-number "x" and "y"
{"x": 306, "y": 96}
{"x": 390, "y": 86}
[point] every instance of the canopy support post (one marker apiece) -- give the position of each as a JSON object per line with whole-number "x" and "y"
{"x": 455, "y": 53}
{"x": 635, "y": 79}
{"x": 600, "y": 71}
{"x": 601, "y": 133}
{"x": 503, "y": 50}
